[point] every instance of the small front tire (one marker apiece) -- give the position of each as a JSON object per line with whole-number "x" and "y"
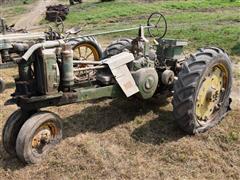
{"x": 37, "y": 136}
{"x": 11, "y": 130}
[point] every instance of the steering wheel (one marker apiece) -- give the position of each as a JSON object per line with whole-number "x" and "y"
{"x": 158, "y": 25}
{"x": 59, "y": 24}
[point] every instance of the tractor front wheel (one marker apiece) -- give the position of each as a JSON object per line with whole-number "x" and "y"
{"x": 37, "y": 136}
{"x": 201, "y": 93}
{"x": 11, "y": 130}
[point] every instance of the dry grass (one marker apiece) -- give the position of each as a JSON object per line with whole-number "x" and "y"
{"x": 128, "y": 139}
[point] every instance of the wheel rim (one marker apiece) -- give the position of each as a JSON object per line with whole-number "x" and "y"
{"x": 84, "y": 52}
{"x": 43, "y": 137}
{"x": 211, "y": 93}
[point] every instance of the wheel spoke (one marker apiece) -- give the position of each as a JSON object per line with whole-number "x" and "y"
{"x": 86, "y": 50}
{"x": 89, "y": 55}
{"x": 79, "y": 51}
{"x": 158, "y": 20}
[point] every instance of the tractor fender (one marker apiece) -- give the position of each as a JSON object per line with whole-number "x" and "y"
{"x": 118, "y": 66}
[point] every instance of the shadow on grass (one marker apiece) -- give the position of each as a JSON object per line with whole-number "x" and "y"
{"x": 8, "y": 162}
{"x": 160, "y": 130}
{"x": 101, "y": 118}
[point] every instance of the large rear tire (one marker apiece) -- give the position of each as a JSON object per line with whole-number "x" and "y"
{"x": 201, "y": 93}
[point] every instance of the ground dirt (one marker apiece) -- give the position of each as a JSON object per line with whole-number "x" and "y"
{"x": 236, "y": 86}
{"x": 36, "y": 11}
{"x": 128, "y": 139}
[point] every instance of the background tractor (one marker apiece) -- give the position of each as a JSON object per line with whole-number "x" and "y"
{"x": 200, "y": 84}
{"x": 14, "y": 43}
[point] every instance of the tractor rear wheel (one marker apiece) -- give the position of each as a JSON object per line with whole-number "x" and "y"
{"x": 37, "y": 136}
{"x": 201, "y": 93}
{"x": 86, "y": 48}
{"x": 11, "y": 130}
{"x": 118, "y": 46}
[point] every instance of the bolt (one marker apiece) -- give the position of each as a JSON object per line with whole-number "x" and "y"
{"x": 205, "y": 118}
{"x": 216, "y": 107}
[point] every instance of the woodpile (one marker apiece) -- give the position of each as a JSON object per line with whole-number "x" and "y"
{"x": 53, "y": 12}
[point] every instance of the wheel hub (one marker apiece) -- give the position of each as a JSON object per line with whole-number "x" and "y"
{"x": 42, "y": 137}
{"x": 210, "y": 93}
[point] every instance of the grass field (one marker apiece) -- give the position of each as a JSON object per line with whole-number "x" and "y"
{"x": 133, "y": 139}
{"x": 11, "y": 10}
{"x": 202, "y": 23}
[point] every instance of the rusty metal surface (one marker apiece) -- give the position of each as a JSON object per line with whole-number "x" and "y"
{"x": 59, "y": 99}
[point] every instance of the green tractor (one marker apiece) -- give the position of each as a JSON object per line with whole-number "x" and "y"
{"x": 51, "y": 75}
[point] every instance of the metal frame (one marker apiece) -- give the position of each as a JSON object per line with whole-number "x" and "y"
{"x": 59, "y": 99}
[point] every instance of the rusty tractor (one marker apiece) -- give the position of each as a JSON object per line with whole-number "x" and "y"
{"x": 200, "y": 84}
